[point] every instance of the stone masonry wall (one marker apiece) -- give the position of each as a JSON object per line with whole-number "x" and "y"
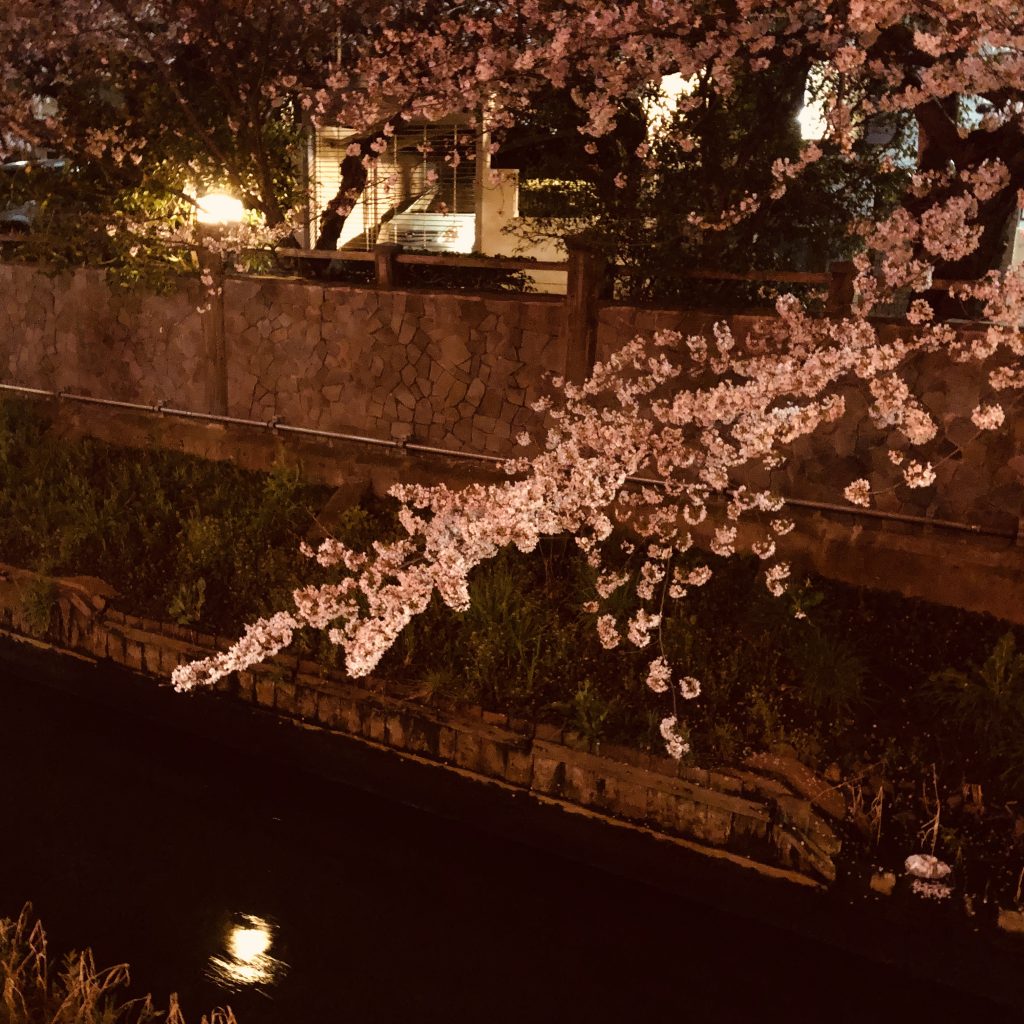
{"x": 980, "y": 476}
{"x": 457, "y": 370}
{"x": 75, "y": 332}
{"x": 451, "y": 369}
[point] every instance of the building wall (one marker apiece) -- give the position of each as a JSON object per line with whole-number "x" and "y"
{"x": 504, "y": 233}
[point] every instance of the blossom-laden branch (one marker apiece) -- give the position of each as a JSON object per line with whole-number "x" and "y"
{"x": 656, "y": 443}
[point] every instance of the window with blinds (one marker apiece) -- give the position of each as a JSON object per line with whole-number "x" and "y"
{"x": 421, "y": 191}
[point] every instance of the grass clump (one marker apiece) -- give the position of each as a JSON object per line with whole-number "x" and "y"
{"x": 182, "y": 538}
{"x": 33, "y": 991}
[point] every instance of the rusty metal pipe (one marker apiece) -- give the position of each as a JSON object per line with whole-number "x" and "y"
{"x": 451, "y": 453}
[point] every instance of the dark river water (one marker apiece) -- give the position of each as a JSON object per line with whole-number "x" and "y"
{"x": 232, "y": 878}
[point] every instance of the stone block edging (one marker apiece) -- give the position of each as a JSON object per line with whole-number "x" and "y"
{"x": 753, "y": 818}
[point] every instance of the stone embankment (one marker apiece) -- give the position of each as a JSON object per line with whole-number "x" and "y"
{"x": 776, "y": 820}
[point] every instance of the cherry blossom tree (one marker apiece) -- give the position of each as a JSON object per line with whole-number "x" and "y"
{"x": 670, "y": 437}
{"x": 952, "y": 67}
{"x": 221, "y": 91}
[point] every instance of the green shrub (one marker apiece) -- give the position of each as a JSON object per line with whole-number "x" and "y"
{"x": 180, "y": 537}
{"x": 38, "y": 602}
{"x": 986, "y": 704}
{"x": 589, "y": 712}
{"x": 831, "y": 674}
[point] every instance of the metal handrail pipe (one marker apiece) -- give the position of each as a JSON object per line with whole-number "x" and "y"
{"x": 495, "y": 460}
{"x": 900, "y": 517}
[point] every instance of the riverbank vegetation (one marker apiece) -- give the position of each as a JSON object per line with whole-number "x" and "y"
{"x": 32, "y": 991}
{"x": 914, "y": 711}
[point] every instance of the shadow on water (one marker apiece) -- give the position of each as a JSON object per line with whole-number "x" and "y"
{"x": 236, "y": 879}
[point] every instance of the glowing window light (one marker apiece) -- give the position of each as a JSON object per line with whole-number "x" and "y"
{"x": 663, "y": 107}
{"x": 813, "y": 122}
{"x": 813, "y": 116}
{"x": 219, "y": 208}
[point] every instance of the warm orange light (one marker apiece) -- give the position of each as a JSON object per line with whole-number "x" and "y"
{"x": 219, "y": 208}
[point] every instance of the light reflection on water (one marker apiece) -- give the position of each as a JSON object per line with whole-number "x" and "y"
{"x": 247, "y": 943}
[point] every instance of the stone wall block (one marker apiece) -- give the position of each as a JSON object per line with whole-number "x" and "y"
{"x": 493, "y": 759}
{"x": 265, "y": 687}
{"x": 75, "y": 631}
{"x": 519, "y": 766}
{"x": 1011, "y": 920}
{"x": 306, "y": 700}
{"x": 177, "y": 654}
{"x": 375, "y": 724}
{"x": 285, "y": 697}
{"x": 63, "y": 617}
{"x": 789, "y": 850}
{"x": 468, "y": 750}
{"x": 397, "y": 730}
{"x": 227, "y": 685}
{"x": 95, "y": 641}
{"x": 795, "y": 810}
{"x": 749, "y": 833}
{"x": 350, "y": 718}
{"x": 548, "y": 732}
{"x": 548, "y": 775}
{"x": 447, "y": 741}
{"x": 626, "y": 797}
{"x": 422, "y": 735}
{"x": 690, "y": 819}
{"x": 134, "y": 655}
{"x": 662, "y": 808}
{"x": 114, "y": 647}
{"x": 246, "y": 686}
{"x": 581, "y": 784}
{"x": 328, "y": 710}
{"x": 717, "y": 829}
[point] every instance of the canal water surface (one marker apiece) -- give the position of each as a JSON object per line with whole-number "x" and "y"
{"x": 232, "y": 878}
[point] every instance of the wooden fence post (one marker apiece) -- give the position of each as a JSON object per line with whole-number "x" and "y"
{"x": 384, "y": 254}
{"x": 586, "y": 276}
{"x": 840, "y": 288}
{"x": 211, "y": 261}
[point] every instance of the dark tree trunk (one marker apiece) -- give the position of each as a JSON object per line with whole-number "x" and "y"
{"x": 353, "y": 182}
{"x": 942, "y": 147}
{"x": 354, "y": 177}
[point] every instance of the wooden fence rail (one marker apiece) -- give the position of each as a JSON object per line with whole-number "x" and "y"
{"x": 386, "y": 257}
{"x": 587, "y": 274}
